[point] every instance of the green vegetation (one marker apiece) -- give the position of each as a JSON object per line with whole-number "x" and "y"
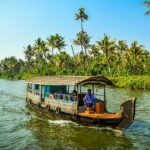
{"x": 147, "y": 3}
{"x": 127, "y": 65}
{"x": 133, "y": 82}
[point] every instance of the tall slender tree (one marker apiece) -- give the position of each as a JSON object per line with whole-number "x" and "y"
{"x": 83, "y": 39}
{"x": 82, "y": 16}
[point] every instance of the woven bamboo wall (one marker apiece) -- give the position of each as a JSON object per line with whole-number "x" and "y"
{"x": 65, "y": 106}
{"x": 35, "y": 99}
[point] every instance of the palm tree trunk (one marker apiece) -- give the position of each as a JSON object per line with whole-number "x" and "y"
{"x": 83, "y": 64}
{"x": 82, "y": 26}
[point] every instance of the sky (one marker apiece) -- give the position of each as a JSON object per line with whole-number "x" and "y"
{"x": 23, "y": 21}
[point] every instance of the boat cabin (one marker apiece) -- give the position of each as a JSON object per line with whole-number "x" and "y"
{"x": 56, "y": 93}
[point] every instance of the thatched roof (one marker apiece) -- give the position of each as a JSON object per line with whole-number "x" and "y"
{"x": 69, "y": 80}
{"x": 99, "y": 80}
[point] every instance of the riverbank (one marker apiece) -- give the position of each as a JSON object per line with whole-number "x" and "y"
{"x": 132, "y": 82}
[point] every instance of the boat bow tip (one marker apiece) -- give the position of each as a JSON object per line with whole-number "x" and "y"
{"x": 128, "y": 113}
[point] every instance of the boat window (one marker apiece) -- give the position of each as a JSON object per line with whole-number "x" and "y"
{"x": 70, "y": 88}
{"x": 36, "y": 86}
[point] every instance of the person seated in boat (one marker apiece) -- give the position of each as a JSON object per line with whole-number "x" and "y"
{"x": 73, "y": 95}
{"x": 61, "y": 93}
{"x": 52, "y": 94}
{"x": 90, "y": 98}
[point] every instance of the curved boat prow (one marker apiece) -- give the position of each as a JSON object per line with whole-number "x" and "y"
{"x": 128, "y": 114}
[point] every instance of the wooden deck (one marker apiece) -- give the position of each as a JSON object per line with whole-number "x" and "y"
{"x": 101, "y": 116}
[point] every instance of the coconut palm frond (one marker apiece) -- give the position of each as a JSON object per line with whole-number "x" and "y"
{"x": 147, "y": 3}
{"x": 147, "y": 12}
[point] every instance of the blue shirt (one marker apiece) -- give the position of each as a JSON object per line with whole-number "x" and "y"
{"x": 90, "y": 98}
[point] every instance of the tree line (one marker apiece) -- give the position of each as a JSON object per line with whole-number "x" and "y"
{"x": 106, "y": 56}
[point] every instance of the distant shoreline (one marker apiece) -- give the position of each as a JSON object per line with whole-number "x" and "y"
{"x": 131, "y": 82}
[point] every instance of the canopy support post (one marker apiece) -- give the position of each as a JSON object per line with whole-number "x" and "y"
{"x": 41, "y": 93}
{"x": 77, "y": 88}
{"x": 68, "y": 88}
{"x": 93, "y": 88}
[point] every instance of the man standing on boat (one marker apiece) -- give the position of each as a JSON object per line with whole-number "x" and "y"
{"x": 90, "y": 98}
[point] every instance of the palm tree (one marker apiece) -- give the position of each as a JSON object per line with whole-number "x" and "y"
{"x": 83, "y": 39}
{"x": 107, "y": 46}
{"x": 147, "y": 3}
{"x": 29, "y": 54}
{"x": 40, "y": 50}
{"x": 59, "y": 42}
{"x": 122, "y": 46}
{"x": 134, "y": 52}
{"x": 82, "y": 16}
{"x": 51, "y": 43}
{"x": 120, "y": 57}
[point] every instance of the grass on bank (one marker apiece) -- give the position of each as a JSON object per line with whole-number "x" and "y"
{"x": 132, "y": 82}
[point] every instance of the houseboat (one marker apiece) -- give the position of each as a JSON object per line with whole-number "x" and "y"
{"x": 53, "y": 95}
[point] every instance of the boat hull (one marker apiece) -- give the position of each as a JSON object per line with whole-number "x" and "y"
{"x": 116, "y": 123}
